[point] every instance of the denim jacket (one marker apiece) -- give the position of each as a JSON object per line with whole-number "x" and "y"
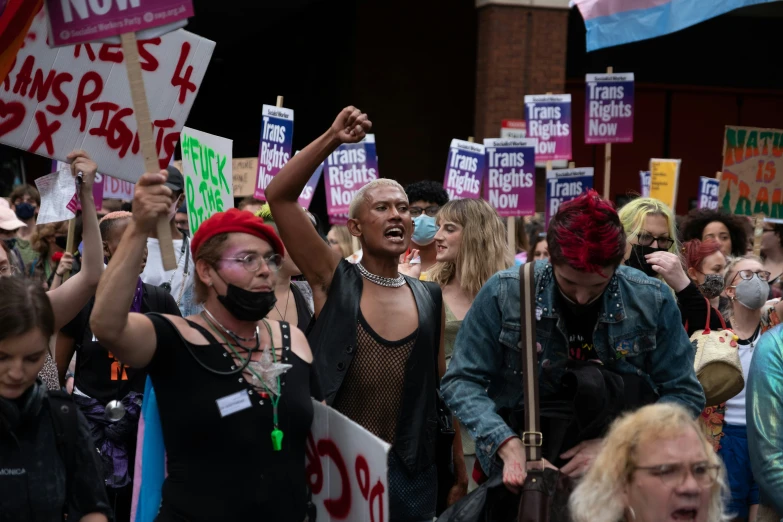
{"x": 639, "y": 330}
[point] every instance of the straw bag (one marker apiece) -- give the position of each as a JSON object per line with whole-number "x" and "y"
{"x": 717, "y": 362}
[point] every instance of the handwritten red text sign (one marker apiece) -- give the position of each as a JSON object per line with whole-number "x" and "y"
{"x": 346, "y": 469}
{"x": 57, "y": 100}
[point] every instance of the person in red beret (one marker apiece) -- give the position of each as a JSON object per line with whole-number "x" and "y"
{"x": 233, "y": 386}
{"x": 377, "y": 336}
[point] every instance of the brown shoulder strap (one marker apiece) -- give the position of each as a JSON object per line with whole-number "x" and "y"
{"x": 531, "y": 437}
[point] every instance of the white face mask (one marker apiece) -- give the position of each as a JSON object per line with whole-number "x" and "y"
{"x": 173, "y": 210}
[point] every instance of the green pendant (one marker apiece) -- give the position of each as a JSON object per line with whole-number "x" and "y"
{"x": 277, "y": 439}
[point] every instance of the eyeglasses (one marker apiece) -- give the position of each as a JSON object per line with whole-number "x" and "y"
{"x": 252, "y": 262}
{"x": 8, "y": 270}
{"x": 430, "y": 211}
{"x": 646, "y": 239}
{"x": 675, "y": 475}
{"x": 748, "y": 274}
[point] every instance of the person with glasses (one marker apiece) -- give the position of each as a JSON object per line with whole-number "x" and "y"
{"x": 653, "y": 249}
{"x": 233, "y": 386}
{"x": 655, "y": 464}
{"x": 426, "y": 198}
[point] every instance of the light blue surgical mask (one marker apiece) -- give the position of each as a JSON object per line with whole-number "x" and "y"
{"x": 424, "y": 230}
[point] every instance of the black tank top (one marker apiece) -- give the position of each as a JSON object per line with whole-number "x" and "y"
{"x": 222, "y": 467}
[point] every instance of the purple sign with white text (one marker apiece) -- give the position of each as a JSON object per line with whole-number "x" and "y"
{"x": 464, "y": 170}
{"x": 548, "y": 119}
{"x": 609, "y": 108}
{"x": 97, "y": 187}
{"x": 306, "y": 197}
{"x": 347, "y": 170}
{"x": 274, "y": 149}
{"x": 510, "y": 185}
{"x": 78, "y": 21}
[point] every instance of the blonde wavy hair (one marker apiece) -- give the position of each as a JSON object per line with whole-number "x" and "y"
{"x": 633, "y": 215}
{"x": 483, "y": 249}
{"x": 598, "y": 496}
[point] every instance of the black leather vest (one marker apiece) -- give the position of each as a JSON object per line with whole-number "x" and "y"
{"x": 333, "y": 342}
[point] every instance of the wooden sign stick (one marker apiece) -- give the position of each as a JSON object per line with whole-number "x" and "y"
{"x": 607, "y": 158}
{"x": 758, "y": 231}
{"x": 69, "y": 244}
{"x": 146, "y": 138}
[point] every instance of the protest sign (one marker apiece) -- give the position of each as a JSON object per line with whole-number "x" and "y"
{"x": 339, "y": 220}
{"x": 644, "y": 182}
{"x": 117, "y": 188}
{"x": 57, "y": 100}
{"x": 513, "y": 129}
{"x": 274, "y": 151}
{"x": 244, "y": 175}
{"x": 73, "y": 22}
{"x": 564, "y": 185}
{"x": 664, "y": 178}
{"x": 206, "y": 165}
{"x": 306, "y": 197}
{"x": 548, "y": 119}
{"x": 97, "y": 187}
{"x": 708, "y": 192}
{"x": 749, "y": 184}
{"x": 464, "y": 170}
{"x": 348, "y": 169}
{"x": 58, "y": 196}
{"x": 609, "y": 108}
{"x": 346, "y": 468}
{"x": 510, "y": 185}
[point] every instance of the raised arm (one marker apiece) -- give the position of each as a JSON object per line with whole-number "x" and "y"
{"x": 313, "y": 257}
{"x": 70, "y": 297}
{"x": 130, "y": 336}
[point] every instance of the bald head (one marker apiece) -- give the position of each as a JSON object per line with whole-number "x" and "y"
{"x": 362, "y": 196}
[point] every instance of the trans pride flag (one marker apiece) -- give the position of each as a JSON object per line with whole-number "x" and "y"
{"x": 616, "y": 22}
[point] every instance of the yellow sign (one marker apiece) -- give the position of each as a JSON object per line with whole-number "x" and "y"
{"x": 244, "y": 177}
{"x": 664, "y": 178}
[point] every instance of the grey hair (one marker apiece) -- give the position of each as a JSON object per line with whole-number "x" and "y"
{"x": 361, "y": 194}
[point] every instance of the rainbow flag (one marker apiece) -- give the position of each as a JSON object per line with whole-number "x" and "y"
{"x": 616, "y": 22}
{"x": 16, "y": 16}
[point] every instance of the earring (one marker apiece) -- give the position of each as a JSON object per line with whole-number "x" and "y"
{"x": 633, "y": 513}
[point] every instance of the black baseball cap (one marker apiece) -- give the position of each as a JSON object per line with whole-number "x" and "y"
{"x": 175, "y": 181}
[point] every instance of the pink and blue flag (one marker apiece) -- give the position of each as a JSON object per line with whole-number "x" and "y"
{"x": 616, "y": 22}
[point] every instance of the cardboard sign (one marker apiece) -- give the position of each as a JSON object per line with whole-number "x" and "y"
{"x": 564, "y": 185}
{"x": 664, "y": 178}
{"x": 274, "y": 151}
{"x": 548, "y": 119}
{"x": 510, "y": 184}
{"x": 609, "y": 108}
{"x": 244, "y": 175}
{"x": 57, "y": 100}
{"x": 644, "y": 183}
{"x": 708, "y": 192}
{"x": 306, "y": 197}
{"x": 752, "y": 157}
{"x": 347, "y": 170}
{"x": 114, "y": 188}
{"x": 465, "y": 168}
{"x": 346, "y": 468}
{"x": 513, "y": 129}
{"x": 97, "y": 186}
{"x": 78, "y": 21}
{"x": 206, "y": 165}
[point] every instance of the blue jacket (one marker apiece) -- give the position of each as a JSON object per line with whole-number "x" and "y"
{"x": 639, "y": 331}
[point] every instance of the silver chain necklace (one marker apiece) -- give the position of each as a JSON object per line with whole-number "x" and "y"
{"x": 391, "y": 282}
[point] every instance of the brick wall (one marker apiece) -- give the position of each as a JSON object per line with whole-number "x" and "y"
{"x": 521, "y": 50}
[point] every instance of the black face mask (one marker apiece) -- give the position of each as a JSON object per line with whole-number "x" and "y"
{"x": 246, "y": 305}
{"x": 25, "y": 211}
{"x": 639, "y": 262}
{"x": 61, "y": 241}
{"x": 10, "y": 243}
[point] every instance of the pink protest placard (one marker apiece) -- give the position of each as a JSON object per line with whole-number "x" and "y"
{"x": 510, "y": 185}
{"x": 347, "y": 170}
{"x": 609, "y": 108}
{"x": 78, "y": 21}
{"x": 548, "y": 120}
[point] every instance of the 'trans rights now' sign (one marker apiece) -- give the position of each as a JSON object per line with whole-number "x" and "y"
{"x": 548, "y": 119}
{"x": 347, "y": 170}
{"x": 510, "y": 186}
{"x": 464, "y": 170}
{"x": 274, "y": 151}
{"x": 609, "y": 108}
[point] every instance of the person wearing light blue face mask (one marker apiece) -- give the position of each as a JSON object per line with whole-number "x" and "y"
{"x": 426, "y": 198}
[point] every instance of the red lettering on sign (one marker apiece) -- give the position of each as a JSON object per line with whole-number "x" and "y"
{"x": 376, "y": 495}
{"x": 363, "y": 475}
{"x": 83, "y": 97}
{"x": 77, "y": 50}
{"x": 341, "y": 506}
{"x": 23, "y": 77}
{"x": 45, "y": 133}
{"x": 110, "y": 53}
{"x": 313, "y": 469}
{"x": 118, "y": 136}
{"x": 57, "y": 89}
{"x": 11, "y": 116}
{"x": 165, "y": 143}
{"x": 148, "y": 61}
{"x": 40, "y": 86}
{"x": 6, "y": 80}
{"x": 178, "y": 80}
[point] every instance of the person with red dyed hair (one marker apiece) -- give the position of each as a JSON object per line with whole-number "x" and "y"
{"x": 590, "y": 309}
{"x": 705, "y": 264}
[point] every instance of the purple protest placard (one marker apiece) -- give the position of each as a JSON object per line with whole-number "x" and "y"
{"x": 564, "y": 185}
{"x": 645, "y": 179}
{"x": 97, "y": 187}
{"x": 708, "y": 192}
{"x": 609, "y": 108}
{"x": 464, "y": 170}
{"x": 548, "y": 119}
{"x": 274, "y": 150}
{"x": 306, "y": 197}
{"x": 347, "y": 170}
{"x": 78, "y": 21}
{"x": 510, "y": 184}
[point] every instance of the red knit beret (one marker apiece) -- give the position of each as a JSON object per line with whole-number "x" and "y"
{"x": 235, "y": 220}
